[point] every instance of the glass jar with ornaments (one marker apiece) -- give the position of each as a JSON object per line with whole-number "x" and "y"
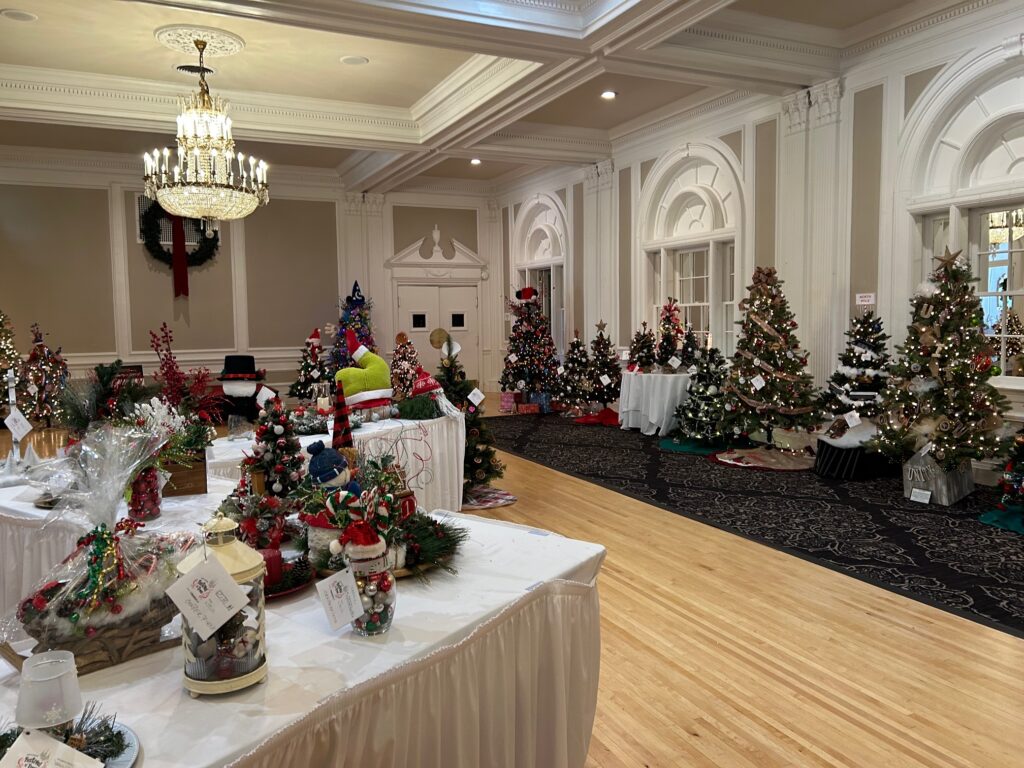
{"x": 365, "y": 551}
{"x": 234, "y": 655}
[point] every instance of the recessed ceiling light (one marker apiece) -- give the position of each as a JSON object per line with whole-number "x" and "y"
{"x": 608, "y": 95}
{"x": 354, "y": 61}
{"x": 475, "y": 161}
{"x": 14, "y": 14}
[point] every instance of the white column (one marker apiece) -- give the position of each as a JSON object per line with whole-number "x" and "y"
{"x": 600, "y": 271}
{"x": 376, "y": 283}
{"x": 790, "y": 247}
{"x": 492, "y": 302}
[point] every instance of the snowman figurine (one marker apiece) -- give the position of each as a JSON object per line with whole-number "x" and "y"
{"x": 328, "y": 468}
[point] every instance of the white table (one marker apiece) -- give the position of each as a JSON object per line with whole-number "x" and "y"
{"x": 496, "y": 666}
{"x": 648, "y": 401}
{"x": 431, "y": 452}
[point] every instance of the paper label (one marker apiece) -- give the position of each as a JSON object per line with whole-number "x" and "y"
{"x": 513, "y": 358}
{"x": 605, "y": 379}
{"x": 339, "y": 597}
{"x": 757, "y": 382}
{"x": 207, "y": 597}
{"x": 17, "y": 423}
{"x": 852, "y": 418}
{"x": 476, "y": 397}
{"x": 926, "y": 450}
{"x": 264, "y": 394}
{"x": 315, "y": 373}
{"x": 920, "y": 495}
{"x": 691, "y": 370}
{"x": 624, "y": 355}
{"x": 560, "y": 370}
{"x": 33, "y": 389}
{"x": 674, "y": 361}
{"x": 37, "y": 749}
{"x": 865, "y": 299}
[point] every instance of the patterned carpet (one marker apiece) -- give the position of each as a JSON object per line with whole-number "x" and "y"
{"x": 943, "y": 557}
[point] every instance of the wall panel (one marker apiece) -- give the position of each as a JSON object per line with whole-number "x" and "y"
{"x": 765, "y": 180}
{"x": 579, "y": 259}
{"x": 625, "y": 254}
{"x": 412, "y": 223}
{"x": 865, "y": 203}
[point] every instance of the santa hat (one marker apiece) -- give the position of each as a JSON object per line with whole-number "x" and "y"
{"x": 314, "y": 338}
{"x": 362, "y": 542}
{"x": 355, "y": 349}
{"x": 424, "y": 384}
{"x": 525, "y": 294}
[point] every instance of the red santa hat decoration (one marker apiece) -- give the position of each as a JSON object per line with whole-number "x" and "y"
{"x": 314, "y": 338}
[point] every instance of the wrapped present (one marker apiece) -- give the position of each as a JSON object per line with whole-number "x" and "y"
{"x": 528, "y": 408}
{"x": 543, "y": 399}
{"x": 508, "y": 402}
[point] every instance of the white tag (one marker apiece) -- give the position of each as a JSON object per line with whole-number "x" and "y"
{"x": 17, "y": 423}
{"x": 605, "y": 379}
{"x": 920, "y": 495}
{"x": 340, "y": 599}
{"x": 852, "y": 418}
{"x": 757, "y": 382}
{"x": 513, "y": 358}
{"x": 674, "y": 361}
{"x": 691, "y": 370}
{"x": 37, "y": 749}
{"x": 315, "y": 373}
{"x": 926, "y": 450}
{"x": 264, "y": 394}
{"x": 624, "y": 355}
{"x": 207, "y": 597}
{"x": 865, "y": 299}
{"x": 561, "y": 370}
{"x": 33, "y": 389}
{"x": 476, "y": 397}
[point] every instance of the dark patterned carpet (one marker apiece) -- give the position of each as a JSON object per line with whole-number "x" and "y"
{"x": 940, "y": 556}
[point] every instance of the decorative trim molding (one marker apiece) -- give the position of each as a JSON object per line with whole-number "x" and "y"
{"x": 914, "y": 27}
{"x": 673, "y": 120}
{"x": 752, "y": 39}
{"x": 825, "y": 97}
{"x": 795, "y": 107}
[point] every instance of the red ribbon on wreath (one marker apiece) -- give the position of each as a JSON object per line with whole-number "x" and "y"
{"x": 179, "y": 256}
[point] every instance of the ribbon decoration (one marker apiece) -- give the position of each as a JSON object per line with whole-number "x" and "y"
{"x": 179, "y": 256}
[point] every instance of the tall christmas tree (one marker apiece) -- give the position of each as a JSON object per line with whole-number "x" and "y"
{"x": 43, "y": 378}
{"x": 700, "y": 416}
{"x": 9, "y": 360}
{"x": 277, "y": 450}
{"x": 863, "y": 369}
{"x": 938, "y": 391}
{"x": 605, "y": 380}
{"x": 671, "y": 329}
{"x": 1010, "y": 324}
{"x": 481, "y": 464}
{"x": 641, "y": 349}
{"x": 404, "y": 362}
{"x": 572, "y": 388}
{"x": 768, "y": 386}
{"x": 530, "y": 361}
{"x": 311, "y": 369}
{"x": 355, "y": 314}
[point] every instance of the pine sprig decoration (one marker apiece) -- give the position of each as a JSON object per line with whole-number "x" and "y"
{"x": 858, "y": 381}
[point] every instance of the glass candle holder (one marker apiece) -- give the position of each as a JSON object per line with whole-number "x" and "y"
{"x": 49, "y": 695}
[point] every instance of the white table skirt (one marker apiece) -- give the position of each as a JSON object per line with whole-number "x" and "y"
{"x": 648, "y": 401}
{"x": 496, "y": 666}
{"x": 431, "y": 452}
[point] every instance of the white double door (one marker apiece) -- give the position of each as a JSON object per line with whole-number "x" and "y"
{"x": 422, "y": 308}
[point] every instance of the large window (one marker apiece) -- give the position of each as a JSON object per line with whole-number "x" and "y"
{"x": 693, "y": 275}
{"x": 998, "y": 243}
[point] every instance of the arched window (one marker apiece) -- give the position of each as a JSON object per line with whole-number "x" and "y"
{"x": 539, "y": 247}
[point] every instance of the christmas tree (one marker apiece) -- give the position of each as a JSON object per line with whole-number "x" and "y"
{"x": 404, "y": 363}
{"x": 700, "y": 416}
{"x": 605, "y": 373}
{"x": 311, "y": 369}
{"x": 671, "y": 329}
{"x": 43, "y": 378}
{"x": 1010, "y": 324}
{"x": 938, "y": 390}
{"x": 9, "y": 359}
{"x": 1009, "y": 512}
{"x": 355, "y": 314}
{"x": 688, "y": 351}
{"x": 641, "y": 349}
{"x": 481, "y": 464}
{"x": 572, "y": 388}
{"x": 530, "y": 362}
{"x": 277, "y": 451}
{"x": 863, "y": 369}
{"x": 768, "y": 385}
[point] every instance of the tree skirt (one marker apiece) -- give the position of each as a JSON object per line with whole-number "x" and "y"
{"x": 765, "y": 458}
{"x": 688, "y": 446}
{"x": 1010, "y": 519}
{"x": 486, "y": 497}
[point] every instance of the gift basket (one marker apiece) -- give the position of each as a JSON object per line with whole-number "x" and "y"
{"x": 106, "y": 601}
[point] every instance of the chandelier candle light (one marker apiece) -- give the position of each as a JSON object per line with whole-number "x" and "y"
{"x": 206, "y": 179}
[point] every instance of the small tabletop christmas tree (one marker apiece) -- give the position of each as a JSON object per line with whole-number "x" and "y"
{"x": 1010, "y": 324}
{"x": 9, "y": 359}
{"x": 863, "y": 369}
{"x": 641, "y": 349}
{"x": 404, "y": 364}
{"x": 688, "y": 352}
{"x": 311, "y": 369}
{"x": 481, "y": 465}
{"x": 43, "y": 378}
{"x": 768, "y": 385}
{"x": 355, "y": 315}
{"x": 700, "y": 416}
{"x": 605, "y": 380}
{"x": 572, "y": 388}
{"x": 530, "y": 362}
{"x": 671, "y": 330}
{"x": 938, "y": 391}
{"x": 277, "y": 450}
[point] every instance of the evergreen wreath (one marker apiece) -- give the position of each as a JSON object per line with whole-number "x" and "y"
{"x": 150, "y": 224}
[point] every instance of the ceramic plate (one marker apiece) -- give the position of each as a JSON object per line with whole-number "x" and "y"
{"x": 131, "y": 751}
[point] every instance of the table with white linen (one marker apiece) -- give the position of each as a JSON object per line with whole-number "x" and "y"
{"x": 431, "y": 451}
{"x": 496, "y": 666}
{"x": 648, "y": 401}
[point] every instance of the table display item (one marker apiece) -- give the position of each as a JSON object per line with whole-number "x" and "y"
{"x": 234, "y": 656}
{"x": 925, "y": 480}
{"x": 97, "y": 736}
{"x": 355, "y": 317}
{"x": 144, "y": 499}
{"x": 49, "y": 694}
{"x": 364, "y": 550}
{"x": 186, "y": 478}
{"x": 367, "y": 383}
{"x": 405, "y": 364}
{"x": 312, "y": 370}
{"x": 277, "y": 452}
{"x": 641, "y": 350}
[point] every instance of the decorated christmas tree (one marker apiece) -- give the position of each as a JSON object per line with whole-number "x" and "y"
{"x": 355, "y": 314}
{"x": 863, "y": 369}
{"x": 481, "y": 463}
{"x": 572, "y": 388}
{"x": 9, "y": 359}
{"x": 768, "y": 386}
{"x": 311, "y": 369}
{"x": 671, "y": 329}
{"x": 938, "y": 390}
{"x": 530, "y": 361}
{"x": 700, "y": 416}
{"x": 641, "y": 349}
{"x": 688, "y": 351}
{"x": 404, "y": 363}
{"x": 605, "y": 373}
{"x": 1009, "y": 512}
{"x": 277, "y": 451}
{"x": 1010, "y": 324}
{"x": 43, "y": 378}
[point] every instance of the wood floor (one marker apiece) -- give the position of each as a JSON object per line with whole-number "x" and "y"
{"x": 722, "y": 652}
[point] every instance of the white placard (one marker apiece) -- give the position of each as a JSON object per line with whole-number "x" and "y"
{"x": 605, "y": 379}
{"x": 18, "y": 424}
{"x": 340, "y": 599}
{"x": 207, "y": 597}
{"x": 921, "y": 495}
{"x": 852, "y": 418}
{"x": 560, "y": 370}
{"x": 865, "y": 299}
{"x": 264, "y": 394}
{"x": 315, "y": 373}
{"x": 476, "y": 397}
{"x": 757, "y": 382}
{"x": 926, "y": 450}
{"x": 674, "y": 361}
{"x": 691, "y": 370}
{"x": 624, "y": 355}
{"x": 33, "y": 389}
{"x": 37, "y": 749}
{"x": 513, "y": 358}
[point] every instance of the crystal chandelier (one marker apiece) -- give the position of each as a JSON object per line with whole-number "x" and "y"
{"x": 206, "y": 180}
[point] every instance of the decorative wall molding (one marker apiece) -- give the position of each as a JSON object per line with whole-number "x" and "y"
{"x": 752, "y": 40}
{"x": 824, "y": 98}
{"x": 795, "y": 108}
{"x": 913, "y": 28}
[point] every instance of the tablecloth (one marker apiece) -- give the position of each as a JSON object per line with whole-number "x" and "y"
{"x": 431, "y": 452}
{"x": 648, "y": 401}
{"x": 496, "y": 666}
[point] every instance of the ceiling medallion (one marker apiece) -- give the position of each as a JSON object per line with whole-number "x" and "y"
{"x": 182, "y": 38}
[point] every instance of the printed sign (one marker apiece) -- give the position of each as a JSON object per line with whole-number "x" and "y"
{"x": 865, "y": 299}
{"x": 340, "y": 599}
{"x": 264, "y": 394}
{"x": 475, "y": 397}
{"x": 37, "y": 749}
{"x": 17, "y": 423}
{"x": 674, "y": 361}
{"x": 560, "y": 370}
{"x": 624, "y": 355}
{"x": 852, "y": 418}
{"x": 758, "y": 382}
{"x": 691, "y": 370}
{"x": 605, "y": 379}
{"x": 920, "y": 495}
{"x": 207, "y": 597}
{"x": 33, "y": 389}
{"x": 513, "y": 358}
